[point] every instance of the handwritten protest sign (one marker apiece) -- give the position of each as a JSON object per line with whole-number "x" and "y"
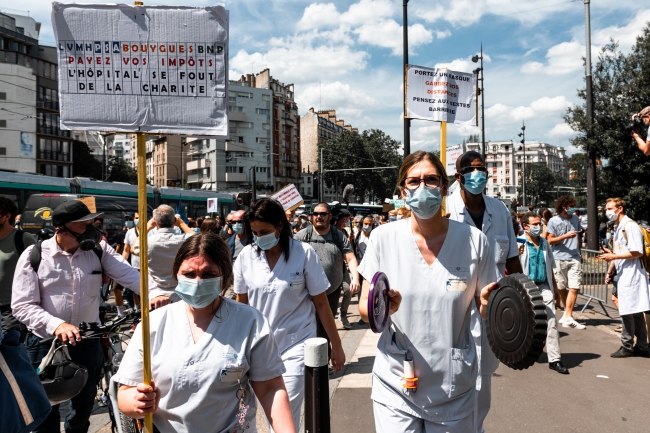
{"x": 440, "y": 95}
{"x": 145, "y": 69}
{"x": 289, "y": 197}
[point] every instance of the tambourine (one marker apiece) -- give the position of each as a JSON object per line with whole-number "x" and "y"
{"x": 378, "y": 302}
{"x": 516, "y": 322}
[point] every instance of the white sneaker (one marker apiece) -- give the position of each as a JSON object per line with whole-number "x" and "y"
{"x": 120, "y": 311}
{"x": 570, "y": 322}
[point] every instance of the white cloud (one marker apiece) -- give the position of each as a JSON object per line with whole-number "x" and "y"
{"x": 531, "y": 51}
{"x": 562, "y": 130}
{"x": 542, "y": 107}
{"x": 346, "y": 99}
{"x": 626, "y": 35}
{"x": 563, "y": 58}
{"x": 319, "y": 15}
{"x": 463, "y": 65}
{"x": 441, "y": 34}
{"x": 388, "y": 34}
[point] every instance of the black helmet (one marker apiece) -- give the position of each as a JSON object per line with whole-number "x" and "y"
{"x": 63, "y": 379}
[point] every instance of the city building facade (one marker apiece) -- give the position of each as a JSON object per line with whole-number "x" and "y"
{"x": 285, "y": 128}
{"x": 164, "y": 161}
{"x": 31, "y": 140}
{"x": 315, "y": 127}
{"x": 504, "y": 160}
{"x": 219, "y": 165}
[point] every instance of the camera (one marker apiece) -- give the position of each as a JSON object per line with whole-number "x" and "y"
{"x": 636, "y": 125}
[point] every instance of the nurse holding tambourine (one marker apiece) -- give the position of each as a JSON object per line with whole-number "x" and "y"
{"x": 426, "y": 372}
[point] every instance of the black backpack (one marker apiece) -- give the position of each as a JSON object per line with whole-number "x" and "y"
{"x": 19, "y": 241}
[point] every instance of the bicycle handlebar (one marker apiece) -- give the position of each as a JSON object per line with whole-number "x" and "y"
{"x": 93, "y": 329}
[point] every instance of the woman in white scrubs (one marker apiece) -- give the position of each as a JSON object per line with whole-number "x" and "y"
{"x": 284, "y": 279}
{"x": 439, "y": 271}
{"x": 208, "y": 353}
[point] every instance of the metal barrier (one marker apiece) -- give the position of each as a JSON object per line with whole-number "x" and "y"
{"x": 593, "y": 285}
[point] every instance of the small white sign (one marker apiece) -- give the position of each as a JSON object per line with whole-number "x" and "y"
{"x": 440, "y": 95}
{"x": 289, "y": 197}
{"x": 212, "y": 205}
{"x": 453, "y": 152}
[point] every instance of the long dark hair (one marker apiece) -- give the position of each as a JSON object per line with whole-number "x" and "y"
{"x": 211, "y": 246}
{"x": 269, "y": 211}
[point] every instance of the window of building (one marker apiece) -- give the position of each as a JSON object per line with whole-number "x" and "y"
{"x": 266, "y": 97}
{"x": 3, "y": 151}
{"x": 262, "y": 111}
{"x": 3, "y": 96}
{"x": 241, "y": 169}
{"x": 3, "y": 123}
{"x": 231, "y": 169}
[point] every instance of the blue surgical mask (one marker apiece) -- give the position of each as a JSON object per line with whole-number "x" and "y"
{"x": 424, "y": 201}
{"x": 136, "y": 221}
{"x": 129, "y": 224}
{"x": 198, "y": 293}
{"x": 266, "y": 242}
{"x": 196, "y": 229}
{"x": 475, "y": 182}
{"x": 367, "y": 229}
{"x": 238, "y": 228}
{"x": 571, "y": 210}
{"x": 347, "y": 223}
{"x": 391, "y": 218}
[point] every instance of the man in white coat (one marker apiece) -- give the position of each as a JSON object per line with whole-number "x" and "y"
{"x": 633, "y": 286}
{"x": 467, "y": 204}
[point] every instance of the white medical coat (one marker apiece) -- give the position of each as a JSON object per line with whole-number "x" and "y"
{"x": 198, "y": 381}
{"x": 633, "y": 290}
{"x": 434, "y": 324}
{"x": 497, "y": 227}
{"x": 284, "y": 295}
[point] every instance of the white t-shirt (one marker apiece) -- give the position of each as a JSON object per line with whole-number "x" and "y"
{"x": 129, "y": 239}
{"x": 284, "y": 295}
{"x": 198, "y": 381}
{"x": 434, "y": 324}
{"x": 633, "y": 290}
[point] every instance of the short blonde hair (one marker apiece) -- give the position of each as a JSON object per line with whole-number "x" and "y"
{"x": 645, "y": 111}
{"x": 618, "y": 202}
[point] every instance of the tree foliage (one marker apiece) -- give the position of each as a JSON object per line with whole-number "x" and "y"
{"x": 121, "y": 171}
{"x": 621, "y": 87}
{"x": 84, "y": 163}
{"x": 540, "y": 184}
{"x": 372, "y": 148}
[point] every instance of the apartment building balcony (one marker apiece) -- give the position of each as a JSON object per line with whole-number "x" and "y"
{"x": 197, "y": 178}
{"x": 235, "y": 146}
{"x": 198, "y": 163}
{"x": 236, "y": 177}
{"x": 236, "y": 116}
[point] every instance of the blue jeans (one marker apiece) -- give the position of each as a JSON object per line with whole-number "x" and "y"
{"x": 87, "y": 353}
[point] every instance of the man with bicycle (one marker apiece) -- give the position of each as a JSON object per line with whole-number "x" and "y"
{"x": 56, "y": 290}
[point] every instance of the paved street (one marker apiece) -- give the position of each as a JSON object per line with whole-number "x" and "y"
{"x": 600, "y": 395}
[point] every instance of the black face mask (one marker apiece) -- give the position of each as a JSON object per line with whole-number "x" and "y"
{"x": 89, "y": 239}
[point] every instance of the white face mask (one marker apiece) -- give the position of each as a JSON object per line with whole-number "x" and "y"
{"x": 611, "y": 215}
{"x": 535, "y": 230}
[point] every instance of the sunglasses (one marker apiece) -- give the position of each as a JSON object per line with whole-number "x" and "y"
{"x": 472, "y": 168}
{"x": 236, "y": 222}
{"x": 322, "y": 214}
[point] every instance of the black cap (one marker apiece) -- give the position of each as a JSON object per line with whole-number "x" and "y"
{"x": 72, "y": 211}
{"x": 130, "y": 214}
{"x": 344, "y": 213}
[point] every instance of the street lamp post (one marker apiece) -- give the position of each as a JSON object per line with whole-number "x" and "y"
{"x": 405, "y": 40}
{"x": 592, "y": 205}
{"x": 522, "y": 134}
{"x": 476, "y": 71}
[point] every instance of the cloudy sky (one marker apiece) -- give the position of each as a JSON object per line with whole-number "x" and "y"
{"x": 347, "y": 55}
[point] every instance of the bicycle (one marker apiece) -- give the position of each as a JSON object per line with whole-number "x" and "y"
{"x": 110, "y": 334}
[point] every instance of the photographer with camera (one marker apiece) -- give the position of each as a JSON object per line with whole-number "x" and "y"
{"x": 638, "y": 121}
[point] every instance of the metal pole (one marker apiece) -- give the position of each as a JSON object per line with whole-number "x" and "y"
{"x": 407, "y": 121}
{"x": 317, "y": 401}
{"x": 482, "y": 102}
{"x": 523, "y": 146}
{"x": 443, "y": 155}
{"x": 321, "y": 190}
{"x": 592, "y": 204}
{"x": 144, "y": 269}
{"x": 254, "y": 181}
{"x": 182, "y": 164}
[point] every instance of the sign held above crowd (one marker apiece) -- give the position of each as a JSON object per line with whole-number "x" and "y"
{"x": 288, "y": 197}
{"x": 440, "y": 95}
{"x": 154, "y": 69}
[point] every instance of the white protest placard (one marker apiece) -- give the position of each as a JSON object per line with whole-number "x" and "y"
{"x": 212, "y": 205}
{"x": 440, "y": 95}
{"x": 453, "y": 152}
{"x": 154, "y": 69}
{"x": 289, "y": 197}
{"x": 397, "y": 203}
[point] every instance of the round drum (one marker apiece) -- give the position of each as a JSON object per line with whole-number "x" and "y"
{"x": 516, "y": 322}
{"x": 378, "y": 303}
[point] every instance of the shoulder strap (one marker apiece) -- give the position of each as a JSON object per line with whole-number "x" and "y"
{"x": 337, "y": 238}
{"x": 310, "y": 232}
{"x": 623, "y": 229}
{"x": 35, "y": 256}
{"x": 99, "y": 253}
{"x": 19, "y": 241}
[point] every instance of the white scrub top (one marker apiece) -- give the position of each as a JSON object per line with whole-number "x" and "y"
{"x": 283, "y": 295}
{"x": 633, "y": 290}
{"x": 434, "y": 324}
{"x": 198, "y": 381}
{"x": 497, "y": 227}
